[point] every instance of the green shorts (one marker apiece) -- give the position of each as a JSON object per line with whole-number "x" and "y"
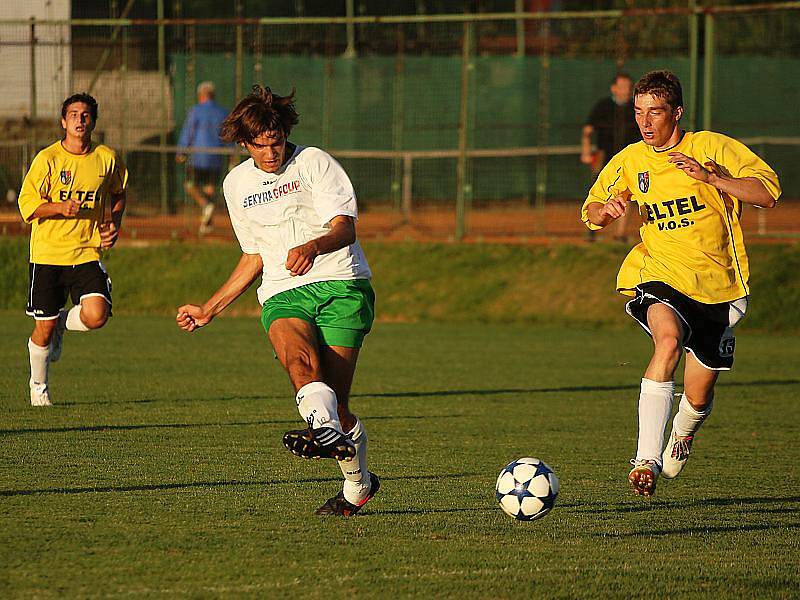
{"x": 343, "y": 311}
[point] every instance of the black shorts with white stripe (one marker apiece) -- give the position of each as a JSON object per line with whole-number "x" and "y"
{"x": 708, "y": 328}
{"x": 51, "y": 285}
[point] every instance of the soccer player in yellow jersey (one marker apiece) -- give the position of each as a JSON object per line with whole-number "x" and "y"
{"x": 689, "y": 275}
{"x": 64, "y": 196}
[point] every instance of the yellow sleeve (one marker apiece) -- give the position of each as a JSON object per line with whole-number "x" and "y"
{"x": 609, "y": 183}
{"x": 119, "y": 181}
{"x": 739, "y": 161}
{"x": 35, "y": 187}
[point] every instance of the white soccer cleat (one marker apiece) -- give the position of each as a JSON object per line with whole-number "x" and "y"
{"x": 643, "y": 477}
{"x": 40, "y": 396}
{"x": 57, "y": 341}
{"x": 676, "y": 454}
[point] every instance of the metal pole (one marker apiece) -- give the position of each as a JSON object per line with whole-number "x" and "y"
{"x": 350, "y": 51}
{"x": 123, "y": 132}
{"x": 519, "y": 7}
{"x": 162, "y": 138}
{"x": 398, "y": 117}
{"x": 694, "y": 41}
{"x": 708, "y": 71}
{"x": 34, "y": 112}
{"x": 461, "y": 164}
{"x": 408, "y": 170}
{"x": 239, "y": 54}
{"x": 544, "y": 126}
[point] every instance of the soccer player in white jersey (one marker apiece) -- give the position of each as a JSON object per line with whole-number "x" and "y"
{"x": 64, "y": 197}
{"x": 689, "y": 277}
{"x": 293, "y": 210}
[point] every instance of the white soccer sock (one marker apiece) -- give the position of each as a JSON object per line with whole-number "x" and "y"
{"x": 688, "y": 419}
{"x": 74, "y": 322}
{"x": 317, "y": 404}
{"x": 655, "y": 408}
{"x": 356, "y": 475}
{"x": 40, "y": 361}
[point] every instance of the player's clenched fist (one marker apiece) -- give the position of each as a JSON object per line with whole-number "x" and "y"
{"x": 70, "y": 208}
{"x": 191, "y": 317}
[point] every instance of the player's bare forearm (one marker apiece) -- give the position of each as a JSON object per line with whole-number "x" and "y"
{"x": 602, "y": 214}
{"x": 118, "y": 204}
{"x": 48, "y": 210}
{"x": 342, "y": 233}
{"x": 747, "y": 189}
{"x": 241, "y": 278}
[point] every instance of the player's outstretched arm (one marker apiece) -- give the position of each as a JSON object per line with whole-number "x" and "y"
{"x": 194, "y": 316}
{"x": 301, "y": 258}
{"x": 601, "y": 214}
{"x": 747, "y": 189}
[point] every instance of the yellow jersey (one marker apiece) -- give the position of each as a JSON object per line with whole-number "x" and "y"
{"x": 691, "y": 234}
{"x": 57, "y": 176}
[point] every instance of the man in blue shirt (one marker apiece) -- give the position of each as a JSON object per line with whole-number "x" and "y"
{"x": 201, "y": 130}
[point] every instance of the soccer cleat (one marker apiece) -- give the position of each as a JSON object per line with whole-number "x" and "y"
{"x": 323, "y": 442}
{"x": 57, "y": 341}
{"x": 676, "y": 454}
{"x": 40, "y": 396}
{"x": 643, "y": 477}
{"x": 340, "y": 507}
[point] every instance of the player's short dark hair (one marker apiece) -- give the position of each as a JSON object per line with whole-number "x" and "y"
{"x": 260, "y": 111}
{"x": 661, "y": 84}
{"x": 80, "y": 97}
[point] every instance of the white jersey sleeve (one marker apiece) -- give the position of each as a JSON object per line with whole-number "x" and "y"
{"x": 241, "y": 226}
{"x": 332, "y": 192}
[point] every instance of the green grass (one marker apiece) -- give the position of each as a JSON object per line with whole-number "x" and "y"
{"x": 160, "y": 471}
{"x": 430, "y": 282}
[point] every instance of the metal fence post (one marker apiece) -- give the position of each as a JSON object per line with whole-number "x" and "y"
{"x": 544, "y": 127}
{"x": 162, "y": 138}
{"x": 519, "y": 8}
{"x": 461, "y": 164}
{"x": 694, "y": 40}
{"x": 708, "y": 71}
{"x": 350, "y": 51}
{"x": 34, "y": 112}
{"x": 398, "y": 125}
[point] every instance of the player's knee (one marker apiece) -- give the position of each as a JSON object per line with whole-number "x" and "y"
{"x": 668, "y": 348}
{"x": 94, "y": 318}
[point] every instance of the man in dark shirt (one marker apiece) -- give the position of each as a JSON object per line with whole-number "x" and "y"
{"x": 613, "y": 126}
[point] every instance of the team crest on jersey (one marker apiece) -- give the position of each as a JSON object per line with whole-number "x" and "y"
{"x": 644, "y": 181}
{"x": 66, "y": 177}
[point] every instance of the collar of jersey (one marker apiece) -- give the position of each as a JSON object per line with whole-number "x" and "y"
{"x": 671, "y": 148}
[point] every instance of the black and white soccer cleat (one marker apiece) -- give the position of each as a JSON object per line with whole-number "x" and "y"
{"x": 322, "y": 442}
{"x": 338, "y": 506}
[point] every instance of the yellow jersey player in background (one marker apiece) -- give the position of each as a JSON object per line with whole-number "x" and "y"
{"x": 64, "y": 196}
{"x": 689, "y": 275}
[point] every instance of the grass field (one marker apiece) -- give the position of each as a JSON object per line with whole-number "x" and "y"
{"x": 160, "y": 470}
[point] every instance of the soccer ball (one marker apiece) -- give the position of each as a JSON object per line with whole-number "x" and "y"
{"x": 527, "y": 489}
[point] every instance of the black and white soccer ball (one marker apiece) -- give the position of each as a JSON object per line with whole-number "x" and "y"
{"x": 527, "y": 489}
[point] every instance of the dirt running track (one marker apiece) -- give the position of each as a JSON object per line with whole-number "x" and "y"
{"x": 556, "y": 223}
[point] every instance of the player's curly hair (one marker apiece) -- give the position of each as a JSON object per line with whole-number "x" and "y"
{"x": 261, "y": 110}
{"x": 80, "y": 97}
{"x": 661, "y": 84}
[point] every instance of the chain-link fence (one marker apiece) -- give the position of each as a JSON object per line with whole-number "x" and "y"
{"x": 449, "y": 125}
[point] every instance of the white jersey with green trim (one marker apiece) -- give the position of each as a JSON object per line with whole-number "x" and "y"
{"x": 272, "y": 213}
